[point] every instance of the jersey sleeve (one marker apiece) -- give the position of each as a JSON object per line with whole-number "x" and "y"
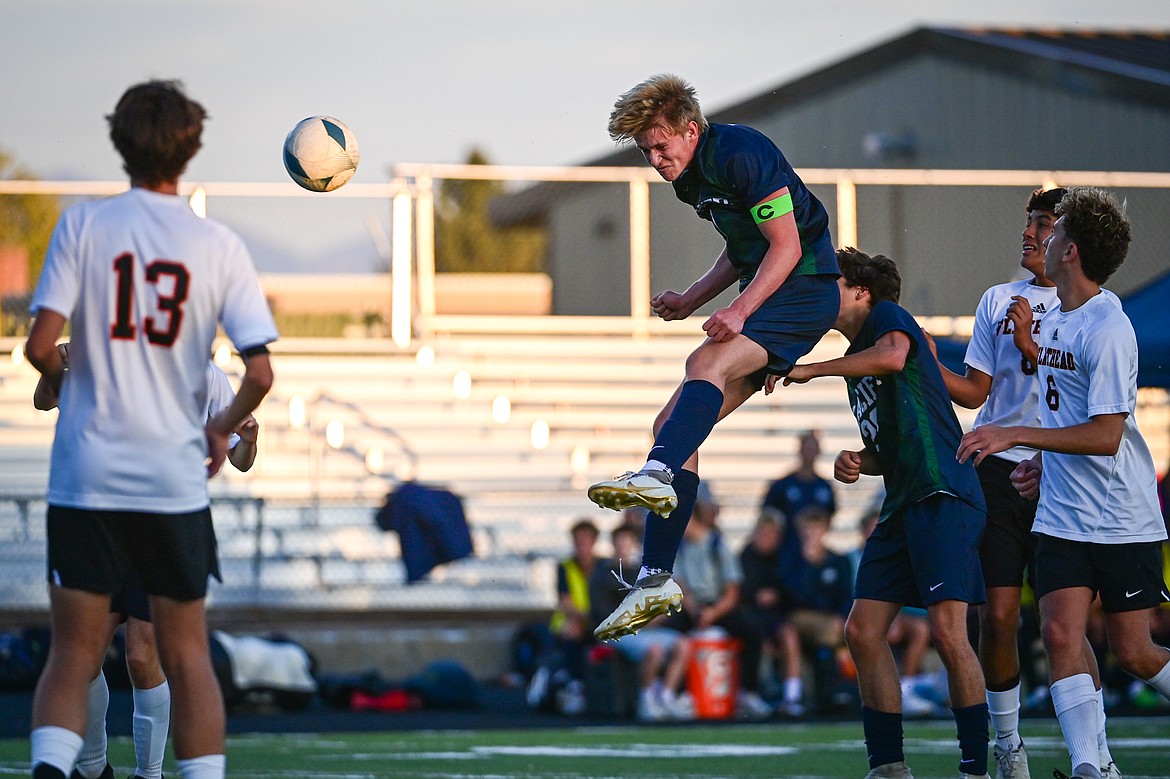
{"x": 219, "y": 396}
{"x": 60, "y": 283}
{"x": 981, "y": 349}
{"x": 754, "y": 169}
{"x": 246, "y": 317}
{"x": 888, "y": 317}
{"x": 1111, "y": 353}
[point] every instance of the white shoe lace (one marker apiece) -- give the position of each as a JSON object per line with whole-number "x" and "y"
{"x": 620, "y": 575}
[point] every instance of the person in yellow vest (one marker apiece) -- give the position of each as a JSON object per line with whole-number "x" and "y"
{"x": 571, "y": 625}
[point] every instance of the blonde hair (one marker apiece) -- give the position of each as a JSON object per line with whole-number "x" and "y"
{"x": 663, "y": 100}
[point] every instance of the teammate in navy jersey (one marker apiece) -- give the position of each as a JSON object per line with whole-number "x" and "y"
{"x": 1099, "y": 527}
{"x": 144, "y": 285}
{"x": 780, "y": 253}
{"x": 924, "y": 550}
{"x": 1001, "y": 378}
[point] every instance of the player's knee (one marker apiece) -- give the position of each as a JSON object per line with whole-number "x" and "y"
{"x": 861, "y": 635}
{"x": 1059, "y": 637}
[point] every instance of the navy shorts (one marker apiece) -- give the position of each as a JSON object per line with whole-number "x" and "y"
{"x": 1128, "y": 577}
{"x": 926, "y": 553}
{"x": 1009, "y": 547}
{"x": 97, "y": 551}
{"x": 792, "y": 321}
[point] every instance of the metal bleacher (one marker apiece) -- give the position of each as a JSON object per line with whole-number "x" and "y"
{"x": 297, "y": 530}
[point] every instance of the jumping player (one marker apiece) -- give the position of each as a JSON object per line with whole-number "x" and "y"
{"x": 924, "y": 549}
{"x": 1100, "y": 530}
{"x": 1001, "y": 377}
{"x": 151, "y": 693}
{"x": 143, "y": 282}
{"x": 778, "y": 250}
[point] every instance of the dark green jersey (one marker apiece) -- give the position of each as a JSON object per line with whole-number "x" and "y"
{"x": 907, "y": 420}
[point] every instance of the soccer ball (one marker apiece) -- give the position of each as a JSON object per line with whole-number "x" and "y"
{"x": 321, "y": 153}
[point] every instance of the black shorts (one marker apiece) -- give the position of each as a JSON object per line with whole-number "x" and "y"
{"x": 1128, "y": 577}
{"x": 1009, "y": 547}
{"x": 131, "y": 601}
{"x": 925, "y": 553}
{"x": 96, "y": 551}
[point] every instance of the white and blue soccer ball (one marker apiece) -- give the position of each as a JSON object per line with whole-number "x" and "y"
{"x": 321, "y": 153}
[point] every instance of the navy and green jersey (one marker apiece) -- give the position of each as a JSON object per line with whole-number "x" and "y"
{"x": 733, "y": 170}
{"x": 907, "y": 420}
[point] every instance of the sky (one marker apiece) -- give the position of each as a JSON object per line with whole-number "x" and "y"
{"x": 528, "y": 82}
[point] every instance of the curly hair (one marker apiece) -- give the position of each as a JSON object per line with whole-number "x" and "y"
{"x": 1043, "y": 199}
{"x": 157, "y": 129}
{"x": 879, "y": 274}
{"x": 662, "y": 100}
{"x": 1095, "y": 222}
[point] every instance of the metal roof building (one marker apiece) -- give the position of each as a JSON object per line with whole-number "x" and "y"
{"x": 933, "y": 98}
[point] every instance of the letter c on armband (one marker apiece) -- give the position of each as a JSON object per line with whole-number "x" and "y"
{"x": 771, "y": 209}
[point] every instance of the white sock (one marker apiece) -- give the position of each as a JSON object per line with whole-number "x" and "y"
{"x": 1004, "y": 709}
{"x": 54, "y": 746}
{"x": 643, "y": 572}
{"x": 654, "y": 465}
{"x": 1102, "y": 743}
{"x": 152, "y": 721}
{"x": 92, "y": 759}
{"x": 1075, "y": 701}
{"x": 1161, "y": 681}
{"x": 793, "y": 689}
{"x": 205, "y": 767}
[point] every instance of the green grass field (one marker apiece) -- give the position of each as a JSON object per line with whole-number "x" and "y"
{"x": 1141, "y": 747}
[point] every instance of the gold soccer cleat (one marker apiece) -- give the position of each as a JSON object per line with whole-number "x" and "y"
{"x": 649, "y": 489}
{"x": 654, "y": 595}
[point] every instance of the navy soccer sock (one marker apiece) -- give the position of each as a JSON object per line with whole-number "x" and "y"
{"x": 662, "y": 537}
{"x": 689, "y": 424}
{"x": 883, "y": 736}
{"x": 971, "y": 723}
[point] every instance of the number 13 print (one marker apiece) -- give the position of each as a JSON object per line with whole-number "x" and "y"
{"x": 170, "y": 305}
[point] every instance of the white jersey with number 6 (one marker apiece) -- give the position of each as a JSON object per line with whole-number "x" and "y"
{"x": 1015, "y": 392}
{"x": 144, "y": 283}
{"x": 1088, "y": 367}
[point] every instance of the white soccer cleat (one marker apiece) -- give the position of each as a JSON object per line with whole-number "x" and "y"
{"x": 649, "y": 489}
{"x": 1110, "y": 771}
{"x": 651, "y": 596}
{"x": 1011, "y": 763}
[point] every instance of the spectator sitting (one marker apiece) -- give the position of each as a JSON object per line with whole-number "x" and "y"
{"x": 571, "y": 625}
{"x": 818, "y": 587}
{"x": 710, "y": 577}
{"x": 660, "y": 653}
{"x": 762, "y": 599}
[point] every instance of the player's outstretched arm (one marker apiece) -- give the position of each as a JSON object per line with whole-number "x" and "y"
{"x": 886, "y": 356}
{"x": 1101, "y": 435}
{"x": 969, "y": 390}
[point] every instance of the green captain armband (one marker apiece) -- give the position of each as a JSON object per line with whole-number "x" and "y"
{"x": 773, "y": 208}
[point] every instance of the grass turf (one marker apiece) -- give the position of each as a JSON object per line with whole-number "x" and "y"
{"x": 1141, "y": 747}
